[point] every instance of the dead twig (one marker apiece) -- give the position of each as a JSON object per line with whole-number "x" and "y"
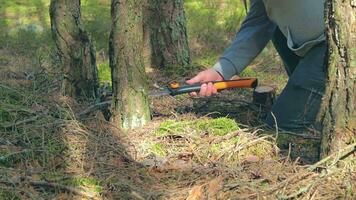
{"x": 228, "y": 136}
{"x": 18, "y": 190}
{"x": 335, "y": 157}
{"x": 94, "y": 107}
{"x": 276, "y": 124}
{"x": 63, "y": 187}
{"x": 248, "y": 144}
{"x": 25, "y": 121}
{"x": 304, "y": 136}
{"x": 311, "y": 185}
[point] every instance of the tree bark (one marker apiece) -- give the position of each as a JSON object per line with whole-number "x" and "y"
{"x": 130, "y": 102}
{"x": 75, "y": 49}
{"x": 165, "y": 25}
{"x": 337, "y": 113}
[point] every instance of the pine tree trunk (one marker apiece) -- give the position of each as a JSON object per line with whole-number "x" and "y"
{"x": 130, "y": 102}
{"x": 337, "y": 114}
{"x": 165, "y": 23}
{"x": 74, "y": 48}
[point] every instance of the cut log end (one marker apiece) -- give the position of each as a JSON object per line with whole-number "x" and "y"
{"x": 264, "y": 96}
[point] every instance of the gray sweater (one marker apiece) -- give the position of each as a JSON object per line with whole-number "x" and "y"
{"x": 301, "y": 21}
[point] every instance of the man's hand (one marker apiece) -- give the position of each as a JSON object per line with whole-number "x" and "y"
{"x": 206, "y": 76}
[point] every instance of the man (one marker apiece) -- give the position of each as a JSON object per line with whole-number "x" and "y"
{"x": 296, "y": 29}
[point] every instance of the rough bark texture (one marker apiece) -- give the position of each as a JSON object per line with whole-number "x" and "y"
{"x": 337, "y": 114}
{"x": 75, "y": 49}
{"x": 165, "y": 28}
{"x": 130, "y": 102}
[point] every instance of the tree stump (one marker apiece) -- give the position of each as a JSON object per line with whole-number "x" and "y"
{"x": 264, "y": 97}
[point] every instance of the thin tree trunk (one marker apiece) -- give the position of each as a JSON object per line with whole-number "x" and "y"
{"x": 74, "y": 48}
{"x": 337, "y": 114}
{"x": 130, "y": 101}
{"x": 166, "y": 24}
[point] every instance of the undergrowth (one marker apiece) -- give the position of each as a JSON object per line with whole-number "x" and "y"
{"x": 47, "y": 151}
{"x": 215, "y": 127}
{"x": 212, "y": 141}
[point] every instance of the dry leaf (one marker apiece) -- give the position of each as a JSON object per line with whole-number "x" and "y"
{"x": 215, "y": 186}
{"x": 196, "y": 193}
{"x": 176, "y": 165}
{"x": 116, "y": 161}
{"x": 252, "y": 159}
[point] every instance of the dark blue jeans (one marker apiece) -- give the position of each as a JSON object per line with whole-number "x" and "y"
{"x": 297, "y": 106}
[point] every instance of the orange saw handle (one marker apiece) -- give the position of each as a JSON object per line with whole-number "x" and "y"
{"x": 175, "y": 89}
{"x": 239, "y": 83}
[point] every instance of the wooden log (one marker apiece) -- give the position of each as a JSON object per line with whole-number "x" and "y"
{"x": 264, "y": 96}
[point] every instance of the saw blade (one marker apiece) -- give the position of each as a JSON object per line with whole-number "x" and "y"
{"x": 164, "y": 92}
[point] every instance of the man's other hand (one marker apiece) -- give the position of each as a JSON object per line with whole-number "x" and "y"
{"x": 206, "y": 77}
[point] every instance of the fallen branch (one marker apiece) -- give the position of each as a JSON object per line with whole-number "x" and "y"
{"x": 304, "y": 136}
{"x": 25, "y": 121}
{"x": 94, "y": 107}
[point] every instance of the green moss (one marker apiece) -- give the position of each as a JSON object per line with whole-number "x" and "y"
{"x": 220, "y": 126}
{"x": 158, "y": 149}
{"x": 90, "y": 184}
{"x": 104, "y": 72}
{"x": 171, "y": 127}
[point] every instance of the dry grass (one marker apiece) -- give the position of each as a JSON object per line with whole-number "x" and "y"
{"x": 188, "y": 168}
{"x": 47, "y": 152}
{"x": 189, "y": 151}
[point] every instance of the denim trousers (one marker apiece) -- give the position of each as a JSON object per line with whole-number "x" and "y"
{"x": 296, "y": 108}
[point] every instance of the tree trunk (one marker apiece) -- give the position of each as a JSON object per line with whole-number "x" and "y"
{"x": 337, "y": 113}
{"x": 75, "y": 49}
{"x": 130, "y": 102}
{"x": 166, "y": 27}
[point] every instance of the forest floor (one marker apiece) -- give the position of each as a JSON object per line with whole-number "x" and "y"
{"x": 194, "y": 148}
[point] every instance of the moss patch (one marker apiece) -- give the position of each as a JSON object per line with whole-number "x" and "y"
{"x": 104, "y": 72}
{"x": 218, "y": 141}
{"x": 219, "y": 126}
{"x": 90, "y": 184}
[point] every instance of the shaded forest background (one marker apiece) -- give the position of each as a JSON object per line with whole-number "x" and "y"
{"x": 25, "y": 28}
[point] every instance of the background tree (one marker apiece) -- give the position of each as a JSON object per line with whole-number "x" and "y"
{"x": 75, "y": 49}
{"x": 130, "y": 102}
{"x": 165, "y": 28}
{"x": 337, "y": 114}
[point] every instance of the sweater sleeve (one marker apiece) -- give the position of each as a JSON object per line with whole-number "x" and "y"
{"x": 254, "y": 34}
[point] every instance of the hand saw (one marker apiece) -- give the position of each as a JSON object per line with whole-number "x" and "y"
{"x": 176, "y": 89}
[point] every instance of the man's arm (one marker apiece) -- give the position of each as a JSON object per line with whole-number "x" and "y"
{"x": 253, "y": 36}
